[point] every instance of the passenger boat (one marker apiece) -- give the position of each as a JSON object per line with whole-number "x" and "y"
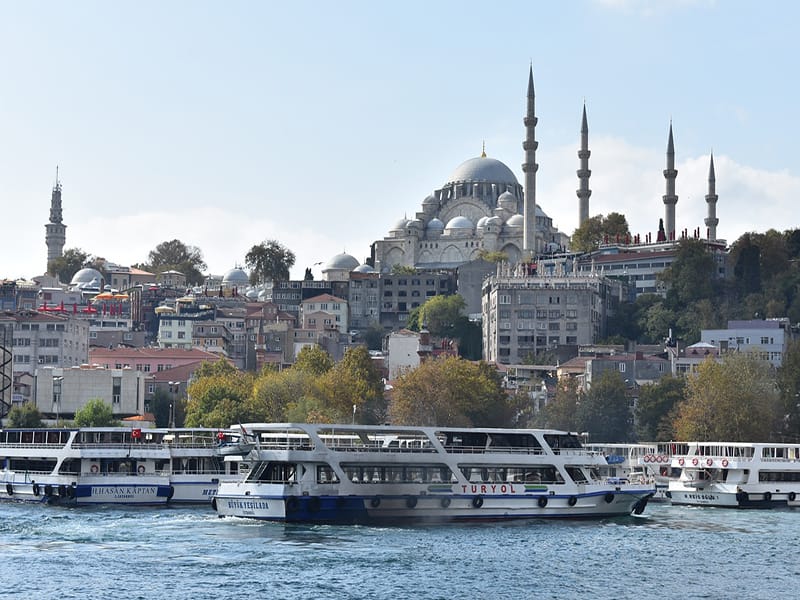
{"x": 111, "y": 465}
{"x": 738, "y": 475}
{"x": 367, "y": 474}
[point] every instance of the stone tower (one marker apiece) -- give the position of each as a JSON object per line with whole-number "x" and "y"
{"x": 55, "y": 230}
{"x": 670, "y": 199}
{"x": 529, "y": 167}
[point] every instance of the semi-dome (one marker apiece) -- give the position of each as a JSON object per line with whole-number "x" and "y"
{"x": 430, "y": 199}
{"x": 414, "y": 224}
{"x": 515, "y": 221}
{"x": 459, "y": 222}
{"x": 435, "y": 225}
{"x": 86, "y": 277}
{"x": 496, "y": 221}
{"x": 482, "y": 222}
{"x": 341, "y": 261}
{"x": 236, "y": 276}
{"x": 483, "y": 169}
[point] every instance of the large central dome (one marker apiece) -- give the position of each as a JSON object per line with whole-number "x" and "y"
{"x": 483, "y": 169}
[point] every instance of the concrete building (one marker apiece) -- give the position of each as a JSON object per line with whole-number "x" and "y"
{"x": 48, "y": 339}
{"x": 401, "y": 293}
{"x": 324, "y": 311}
{"x": 525, "y": 315}
{"x": 768, "y": 339}
{"x": 636, "y": 369}
{"x": 60, "y": 393}
{"x": 147, "y": 360}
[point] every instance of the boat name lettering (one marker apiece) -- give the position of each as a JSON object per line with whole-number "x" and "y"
{"x": 247, "y": 504}
{"x": 209, "y": 492}
{"x": 701, "y": 496}
{"x": 503, "y": 488}
{"x": 124, "y": 491}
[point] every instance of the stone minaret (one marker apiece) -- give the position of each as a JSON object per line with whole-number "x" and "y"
{"x": 55, "y": 231}
{"x": 584, "y": 173}
{"x": 711, "y": 220}
{"x": 529, "y": 167}
{"x": 670, "y": 199}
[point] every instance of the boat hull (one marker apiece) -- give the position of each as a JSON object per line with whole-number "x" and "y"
{"x": 731, "y": 498}
{"x": 86, "y": 492}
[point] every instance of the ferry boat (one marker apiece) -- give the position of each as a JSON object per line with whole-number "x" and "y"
{"x": 112, "y": 465}
{"x": 367, "y": 474}
{"x": 738, "y": 475}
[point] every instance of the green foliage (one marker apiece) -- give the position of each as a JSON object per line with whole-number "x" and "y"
{"x": 441, "y": 313}
{"x": 562, "y": 411}
{"x": 655, "y": 408}
{"x": 493, "y": 257}
{"x": 219, "y": 394}
{"x": 732, "y": 400}
{"x": 373, "y": 336}
{"x": 95, "y": 413}
{"x": 595, "y": 230}
{"x": 69, "y": 263}
{"x": 789, "y": 389}
{"x": 269, "y": 261}
{"x": 26, "y": 415}
{"x": 174, "y": 255}
{"x": 398, "y": 269}
{"x": 604, "y": 412}
{"x": 160, "y": 407}
{"x": 313, "y": 360}
{"x": 276, "y": 394}
{"x": 451, "y": 392}
{"x": 690, "y": 277}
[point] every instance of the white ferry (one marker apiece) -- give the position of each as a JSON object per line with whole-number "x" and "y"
{"x": 738, "y": 475}
{"x": 364, "y": 474}
{"x": 111, "y": 465}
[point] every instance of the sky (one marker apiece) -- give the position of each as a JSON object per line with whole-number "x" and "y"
{"x": 320, "y": 124}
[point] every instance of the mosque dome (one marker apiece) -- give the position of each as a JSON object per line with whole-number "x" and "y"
{"x": 459, "y": 222}
{"x": 236, "y": 276}
{"x": 435, "y": 225}
{"x": 515, "y": 221}
{"x": 414, "y": 224}
{"x": 251, "y": 294}
{"x": 496, "y": 221}
{"x": 87, "y": 277}
{"x": 342, "y": 261}
{"x": 400, "y": 225}
{"x": 482, "y": 222}
{"x": 430, "y": 200}
{"x": 365, "y": 268}
{"x": 507, "y": 200}
{"x": 483, "y": 169}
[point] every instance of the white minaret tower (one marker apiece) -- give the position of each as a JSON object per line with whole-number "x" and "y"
{"x": 529, "y": 167}
{"x": 670, "y": 199}
{"x": 711, "y": 220}
{"x": 55, "y": 231}
{"x": 584, "y": 173}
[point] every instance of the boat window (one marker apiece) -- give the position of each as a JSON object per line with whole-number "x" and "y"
{"x": 274, "y": 472}
{"x": 511, "y": 474}
{"x": 379, "y": 473}
{"x": 325, "y": 474}
{"x": 31, "y": 465}
{"x": 561, "y": 441}
{"x": 576, "y": 474}
{"x": 514, "y": 441}
{"x": 783, "y": 476}
{"x": 465, "y": 441}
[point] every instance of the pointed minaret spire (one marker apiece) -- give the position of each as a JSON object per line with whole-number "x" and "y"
{"x": 483, "y": 149}
{"x": 711, "y": 220}
{"x": 529, "y": 167}
{"x": 670, "y": 199}
{"x": 55, "y": 231}
{"x": 584, "y": 173}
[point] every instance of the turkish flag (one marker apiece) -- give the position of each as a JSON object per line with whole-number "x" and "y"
{"x": 136, "y": 433}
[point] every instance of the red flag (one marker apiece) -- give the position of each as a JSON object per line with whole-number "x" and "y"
{"x": 136, "y": 433}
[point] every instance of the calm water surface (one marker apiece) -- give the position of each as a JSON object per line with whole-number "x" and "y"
{"x": 669, "y": 552}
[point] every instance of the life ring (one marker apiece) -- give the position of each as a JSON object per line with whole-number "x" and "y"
{"x": 724, "y": 463}
{"x": 445, "y": 502}
{"x": 35, "y": 489}
{"x": 375, "y": 502}
{"x": 648, "y": 458}
{"x": 573, "y": 500}
{"x": 709, "y": 462}
{"x": 140, "y": 469}
{"x": 659, "y": 458}
{"x": 477, "y": 501}
{"x": 542, "y": 501}
{"x": 94, "y": 469}
{"x": 681, "y": 462}
{"x": 792, "y": 496}
{"x": 609, "y": 498}
{"x": 767, "y": 496}
{"x": 314, "y": 503}
{"x": 9, "y": 489}
{"x": 695, "y": 461}
{"x": 411, "y": 501}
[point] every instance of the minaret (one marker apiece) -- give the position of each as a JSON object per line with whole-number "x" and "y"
{"x": 670, "y": 199}
{"x": 529, "y": 167}
{"x": 711, "y": 220}
{"x": 55, "y": 231}
{"x": 584, "y": 173}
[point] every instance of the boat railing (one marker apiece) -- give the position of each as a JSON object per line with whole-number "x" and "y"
{"x": 120, "y": 445}
{"x": 494, "y": 450}
{"x": 29, "y": 445}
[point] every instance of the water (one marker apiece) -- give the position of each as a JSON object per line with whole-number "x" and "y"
{"x": 670, "y": 552}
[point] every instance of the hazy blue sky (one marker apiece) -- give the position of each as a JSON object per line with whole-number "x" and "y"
{"x": 320, "y": 124}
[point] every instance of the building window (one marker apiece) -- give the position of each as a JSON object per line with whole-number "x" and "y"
{"x": 621, "y": 367}
{"x": 116, "y": 389}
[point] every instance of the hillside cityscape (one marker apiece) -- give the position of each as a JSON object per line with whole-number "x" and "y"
{"x": 604, "y": 331}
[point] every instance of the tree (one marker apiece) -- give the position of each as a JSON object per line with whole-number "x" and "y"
{"x": 441, "y": 313}
{"x": 373, "y": 336}
{"x": 95, "y": 413}
{"x": 604, "y": 411}
{"x": 219, "y": 394}
{"x": 654, "y": 409}
{"x": 596, "y": 230}
{"x": 789, "y": 387}
{"x": 269, "y": 261}
{"x": 398, "y": 269}
{"x": 26, "y": 415}
{"x": 277, "y": 393}
{"x": 451, "y": 392}
{"x": 174, "y": 255}
{"x": 562, "y": 411}
{"x": 493, "y": 257}
{"x": 691, "y": 275}
{"x": 313, "y": 360}
{"x": 70, "y": 262}
{"x": 732, "y": 400}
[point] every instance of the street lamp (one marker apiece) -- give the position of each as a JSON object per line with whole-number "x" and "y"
{"x": 57, "y": 394}
{"x": 354, "y": 414}
{"x": 174, "y": 389}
